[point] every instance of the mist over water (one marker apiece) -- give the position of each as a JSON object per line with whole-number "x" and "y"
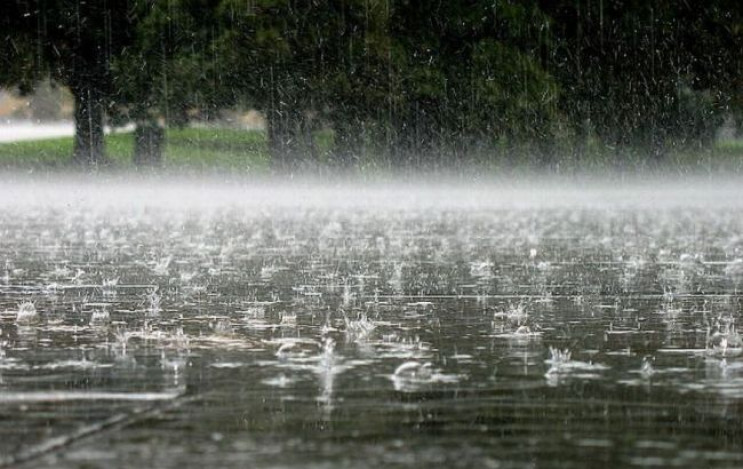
{"x": 233, "y": 323}
{"x": 406, "y": 193}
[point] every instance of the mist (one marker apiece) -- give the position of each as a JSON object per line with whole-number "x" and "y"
{"x": 189, "y": 192}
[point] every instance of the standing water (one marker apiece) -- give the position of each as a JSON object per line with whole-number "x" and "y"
{"x": 181, "y": 325}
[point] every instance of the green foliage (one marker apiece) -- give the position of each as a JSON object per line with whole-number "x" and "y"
{"x": 168, "y": 70}
{"x": 69, "y": 40}
{"x": 72, "y": 42}
{"x": 647, "y": 75}
{"x": 401, "y": 82}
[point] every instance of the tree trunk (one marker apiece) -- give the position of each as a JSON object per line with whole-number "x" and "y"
{"x": 282, "y": 141}
{"x": 349, "y": 143}
{"x": 89, "y": 111}
{"x": 148, "y": 144}
{"x": 307, "y": 127}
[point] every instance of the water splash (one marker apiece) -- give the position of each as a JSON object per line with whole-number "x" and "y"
{"x": 358, "y": 330}
{"x": 27, "y": 314}
{"x": 108, "y": 287}
{"x": 723, "y": 339}
{"x": 413, "y": 376}
{"x": 100, "y": 318}
{"x": 562, "y": 366}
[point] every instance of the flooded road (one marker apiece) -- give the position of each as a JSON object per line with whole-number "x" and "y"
{"x": 238, "y": 326}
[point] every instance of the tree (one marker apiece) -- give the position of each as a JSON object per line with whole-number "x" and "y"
{"x": 409, "y": 80}
{"x": 168, "y": 72}
{"x": 73, "y": 42}
{"x": 412, "y": 82}
{"x": 647, "y": 75}
{"x": 468, "y": 77}
{"x": 298, "y": 62}
{"x": 259, "y": 41}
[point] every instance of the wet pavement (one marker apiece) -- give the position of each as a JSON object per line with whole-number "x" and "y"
{"x": 306, "y": 327}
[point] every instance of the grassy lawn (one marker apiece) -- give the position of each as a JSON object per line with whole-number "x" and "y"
{"x": 722, "y": 157}
{"x": 243, "y": 151}
{"x": 189, "y": 149}
{"x": 215, "y": 148}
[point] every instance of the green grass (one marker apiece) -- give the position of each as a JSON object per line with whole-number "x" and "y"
{"x": 187, "y": 149}
{"x": 241, "y": 151}
{"x": 722, "y": 157}
{"x": 48, "y": 152}
{"x": 215, "y": 148}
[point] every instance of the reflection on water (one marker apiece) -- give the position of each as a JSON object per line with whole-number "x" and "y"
{"x": 236, "y": 333}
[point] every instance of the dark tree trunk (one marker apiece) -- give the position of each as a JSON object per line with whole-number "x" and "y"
{"x": 89, "y": 112}
{"x": 407, "y": 146}
{"x": 349, "y": 143}
{"x": 148, "y": 144}
{"x": 307, "y": 127}
{"x": 283, "y": 143}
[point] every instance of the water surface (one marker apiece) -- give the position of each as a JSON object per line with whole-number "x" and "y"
{"x": 237, "y": 325}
